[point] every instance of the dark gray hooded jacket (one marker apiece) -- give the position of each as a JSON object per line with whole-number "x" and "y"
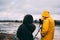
{"x": 26, "y": 29}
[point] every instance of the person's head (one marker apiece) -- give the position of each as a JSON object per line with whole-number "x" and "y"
{"x": 28, "y": 19}
{"x": 45, "y": 14}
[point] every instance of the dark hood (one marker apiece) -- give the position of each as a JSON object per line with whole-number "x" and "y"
{"x": 28, "y": 19}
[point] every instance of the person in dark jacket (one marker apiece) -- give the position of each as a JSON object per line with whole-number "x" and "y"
{"x": 26, "y": 29}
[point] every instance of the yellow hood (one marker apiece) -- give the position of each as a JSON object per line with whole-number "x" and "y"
{"x": 46, "y": 13}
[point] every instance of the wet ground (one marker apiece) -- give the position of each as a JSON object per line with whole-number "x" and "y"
{"x": 9, "y": 29}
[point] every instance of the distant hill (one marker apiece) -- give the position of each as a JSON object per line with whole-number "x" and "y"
{"x": 57, "y": 22}
{"x": 10, "y": 21}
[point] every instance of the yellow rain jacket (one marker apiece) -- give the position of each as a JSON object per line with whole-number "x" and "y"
{"x": 47, "y": 30}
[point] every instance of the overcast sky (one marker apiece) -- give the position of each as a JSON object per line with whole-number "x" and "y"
{"x": 16, "y": 9}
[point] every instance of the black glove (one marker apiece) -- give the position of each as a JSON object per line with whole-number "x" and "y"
{"x": 42, "y": 35}
{"x": 40, "y": 21}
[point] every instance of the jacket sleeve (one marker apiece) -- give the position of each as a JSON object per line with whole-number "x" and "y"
{"x": 45, "y": 27}
{"x": 32, "y": 28}
{"x": 18, "y": 32}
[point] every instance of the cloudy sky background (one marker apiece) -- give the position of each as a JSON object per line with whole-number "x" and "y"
{"x": 17, "y": 9}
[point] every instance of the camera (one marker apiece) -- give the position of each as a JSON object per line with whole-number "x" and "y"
{"x": 40, "y": 21}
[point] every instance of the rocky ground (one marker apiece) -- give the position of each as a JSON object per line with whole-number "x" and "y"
{"x": 4, "y": 36}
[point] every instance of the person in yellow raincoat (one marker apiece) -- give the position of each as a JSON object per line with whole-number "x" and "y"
{"x": 47, "y": 31}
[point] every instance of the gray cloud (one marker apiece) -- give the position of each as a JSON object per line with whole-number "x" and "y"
{"x": 25, "y": 6}
{"x": 29, "y": 6}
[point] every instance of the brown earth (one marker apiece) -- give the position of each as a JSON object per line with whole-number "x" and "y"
{"x": 4, "y": 36}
